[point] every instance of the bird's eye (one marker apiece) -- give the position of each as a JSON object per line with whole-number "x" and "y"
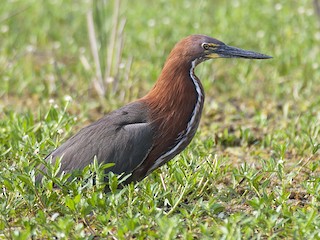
{"x": 205, "y": 46}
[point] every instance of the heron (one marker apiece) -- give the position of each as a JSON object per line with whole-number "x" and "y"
{"x": 145, "y": 134}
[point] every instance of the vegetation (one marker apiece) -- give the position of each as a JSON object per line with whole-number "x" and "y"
{"x": 253, "y": 169}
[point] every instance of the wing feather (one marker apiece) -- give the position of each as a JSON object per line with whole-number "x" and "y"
{"x": 123, "y": 137}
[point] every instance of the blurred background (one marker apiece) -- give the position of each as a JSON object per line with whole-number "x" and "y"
{"x": 63, "y": 64}
{"x": 46, "y": 51}
{"x": 103, "y": 54}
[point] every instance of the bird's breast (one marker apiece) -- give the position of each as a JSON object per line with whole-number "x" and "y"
{"x": 175, "y": 117}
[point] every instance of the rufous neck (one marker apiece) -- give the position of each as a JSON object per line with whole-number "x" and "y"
{"x": 173, "y": 81}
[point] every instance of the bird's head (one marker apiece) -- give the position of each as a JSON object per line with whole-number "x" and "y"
{"x": 201, "y": 48}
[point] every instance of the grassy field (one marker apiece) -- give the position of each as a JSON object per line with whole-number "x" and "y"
{"x": 253, "y": 169}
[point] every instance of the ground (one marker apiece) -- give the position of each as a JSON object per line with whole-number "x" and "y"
{"x": 253, "y": 168}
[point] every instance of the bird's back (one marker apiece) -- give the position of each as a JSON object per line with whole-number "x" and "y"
{"x": 123, "y": 137}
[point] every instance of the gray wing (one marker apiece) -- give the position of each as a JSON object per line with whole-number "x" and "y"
{"x": 123, "y": 137}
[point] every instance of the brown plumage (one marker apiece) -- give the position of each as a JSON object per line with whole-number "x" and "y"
{"x": 147, "y": 133}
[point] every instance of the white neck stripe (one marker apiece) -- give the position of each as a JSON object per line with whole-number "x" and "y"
{"x": 183, "y": 137}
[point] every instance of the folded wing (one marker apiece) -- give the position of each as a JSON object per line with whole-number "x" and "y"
{"x": 123, "y": 137}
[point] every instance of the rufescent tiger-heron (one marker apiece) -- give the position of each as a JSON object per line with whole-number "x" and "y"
{"x": 145, "y": 134}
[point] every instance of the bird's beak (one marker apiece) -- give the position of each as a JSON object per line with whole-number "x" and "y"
{"x": 225, "y": 51}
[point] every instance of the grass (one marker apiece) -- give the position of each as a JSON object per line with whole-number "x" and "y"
{"x": 253, "y": 169}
